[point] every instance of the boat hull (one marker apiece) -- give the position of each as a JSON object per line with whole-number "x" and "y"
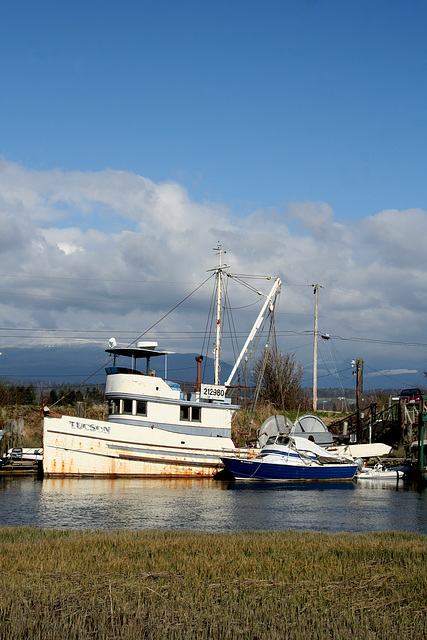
{"x": 78, "y": 447}
{"x": 243, "y": 469}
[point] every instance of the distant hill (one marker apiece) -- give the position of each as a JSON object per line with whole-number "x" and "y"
{"x": 74, "y": 364}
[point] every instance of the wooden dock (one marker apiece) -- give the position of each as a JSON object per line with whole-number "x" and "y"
{"x": 20, "y": 468}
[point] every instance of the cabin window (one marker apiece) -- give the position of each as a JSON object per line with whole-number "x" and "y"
{"x": 114, "y": 407}
{"x": 190, "y": 414}
{"x": 127, "y": 406}
{"x": 184, "y": 413}
{"x": 141, "y": 408}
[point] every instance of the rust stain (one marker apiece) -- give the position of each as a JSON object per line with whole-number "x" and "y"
{"x": 172, "y": 464}
{"x": 127, "y": 466}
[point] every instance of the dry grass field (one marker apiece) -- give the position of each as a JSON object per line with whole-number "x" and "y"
{"x": 156, "y": 584}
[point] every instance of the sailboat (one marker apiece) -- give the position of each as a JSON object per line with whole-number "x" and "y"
{"x": 155, "y": 426}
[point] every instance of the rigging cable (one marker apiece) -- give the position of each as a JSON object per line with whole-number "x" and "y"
{"x": 208, "y": 330}
{"x": 267, "y": 350}
{"x": 335, "y": 373}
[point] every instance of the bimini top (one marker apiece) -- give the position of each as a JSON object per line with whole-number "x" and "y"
{"x": 140, "y": 350}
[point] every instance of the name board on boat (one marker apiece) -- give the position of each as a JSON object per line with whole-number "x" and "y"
{"x": 212, "y": 392}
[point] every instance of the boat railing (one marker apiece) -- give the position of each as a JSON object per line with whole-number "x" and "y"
{"x": 238, "y": 394}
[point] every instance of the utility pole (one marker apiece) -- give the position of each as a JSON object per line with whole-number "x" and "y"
{"x": 359, "y": 396}
{"x": 316, "y": 333}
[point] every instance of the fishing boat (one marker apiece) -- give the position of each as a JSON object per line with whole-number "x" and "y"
{"x": 155, "y": 426}
{"x": 288, "y": 457}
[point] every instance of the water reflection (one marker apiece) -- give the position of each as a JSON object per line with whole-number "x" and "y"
{"x": 210, "y": 505}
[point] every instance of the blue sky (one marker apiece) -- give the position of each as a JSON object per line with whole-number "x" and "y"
{"x": 295, "y": 131}
{"x": 253, "y": 104}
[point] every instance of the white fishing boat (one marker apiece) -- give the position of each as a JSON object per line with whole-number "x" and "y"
{"x": 155, "y": 427}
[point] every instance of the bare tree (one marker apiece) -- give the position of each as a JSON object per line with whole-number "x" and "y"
{"x": 280, "y": 375}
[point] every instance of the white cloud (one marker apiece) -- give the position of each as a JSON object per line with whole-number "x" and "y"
{"x": 81, "y": 249}
{"x": 391, "y": 372}
{"x": 317, "y": 219}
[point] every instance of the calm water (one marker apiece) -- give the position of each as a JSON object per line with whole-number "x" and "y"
{"x": 209, "y": 505}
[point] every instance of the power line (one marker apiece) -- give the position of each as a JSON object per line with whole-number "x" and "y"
{"x": 68, "y": 278}
{"x": 183, "y": 335}
{"x": 377, "y": 341}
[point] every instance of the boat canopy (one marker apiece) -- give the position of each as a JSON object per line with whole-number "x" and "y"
{"x": 136, "y": 352}
{"x": 145, "y": 350}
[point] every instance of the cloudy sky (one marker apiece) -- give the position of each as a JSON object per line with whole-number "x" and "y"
{"x": 135, "y": 136}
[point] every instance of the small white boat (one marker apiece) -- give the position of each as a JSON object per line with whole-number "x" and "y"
{"x": 381, "y": 472}
{"x": 25, "y": 454}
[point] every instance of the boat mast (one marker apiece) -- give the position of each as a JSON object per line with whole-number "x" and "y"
{"x": 217, "y": 349}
